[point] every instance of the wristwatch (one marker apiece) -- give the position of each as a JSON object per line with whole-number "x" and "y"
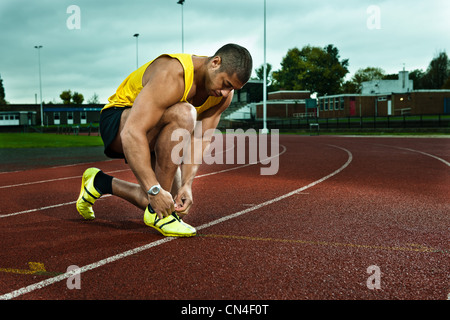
{"x": 153, "y": 191}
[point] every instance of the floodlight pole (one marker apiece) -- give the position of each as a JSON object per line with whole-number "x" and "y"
{"x": 137, "y": 61}
{"x": 40, "y": 82}
{"x": 265, "y": 130}
{"x": 182, "y": 24}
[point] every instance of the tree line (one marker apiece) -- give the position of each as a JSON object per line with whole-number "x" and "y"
{"x": 69, "y": 98}
{"x": 322, "y": 71}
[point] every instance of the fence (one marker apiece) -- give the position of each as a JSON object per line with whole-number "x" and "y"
{"x": 439, "y": 121}
{"x": 77, "y": 129}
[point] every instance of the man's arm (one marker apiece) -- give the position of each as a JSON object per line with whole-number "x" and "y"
{"x": 209, "y": 121}
{"x": 164, "y": 76}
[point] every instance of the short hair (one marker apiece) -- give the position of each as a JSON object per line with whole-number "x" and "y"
{"x": 235, "y": 59}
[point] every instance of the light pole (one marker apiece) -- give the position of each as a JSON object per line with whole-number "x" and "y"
{"x": 182, "y": 24}
{"x": 137, "y": 61}
{"x": 40, "y": 82}
{"x": 265, "y": 130}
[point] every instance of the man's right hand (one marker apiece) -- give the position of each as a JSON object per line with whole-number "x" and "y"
{"x": 162, "y": 203}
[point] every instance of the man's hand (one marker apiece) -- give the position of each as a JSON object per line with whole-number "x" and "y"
{"x": 183, "y": 200}
{"x": 162, "y": 203}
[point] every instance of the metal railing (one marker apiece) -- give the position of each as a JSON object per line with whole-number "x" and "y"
{"x": 352, "y": 123}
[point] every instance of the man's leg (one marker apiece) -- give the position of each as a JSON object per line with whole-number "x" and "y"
{"x": 179, "y": 116}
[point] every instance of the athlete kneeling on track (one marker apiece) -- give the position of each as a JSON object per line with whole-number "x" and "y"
{"x": 174, "y": 91}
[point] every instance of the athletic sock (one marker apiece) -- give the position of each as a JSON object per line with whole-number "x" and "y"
{"x": 103, "y": 183}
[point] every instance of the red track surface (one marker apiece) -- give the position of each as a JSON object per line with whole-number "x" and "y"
{"x": 337, "y": 206}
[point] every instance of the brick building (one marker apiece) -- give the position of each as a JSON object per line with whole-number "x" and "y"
{"x": 418, "y": 102}
{"x": 386, "y": 98}
{"x": 29, "y": 114}
{"x": 286, "y": 104}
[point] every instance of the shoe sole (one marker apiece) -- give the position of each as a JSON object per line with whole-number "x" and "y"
{"x": 167, "y": 234}
{"x": 173, "y": 235}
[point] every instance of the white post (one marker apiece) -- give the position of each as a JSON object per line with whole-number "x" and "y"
{"x": 40, "y": 83}
{"x": 265, "y": 130}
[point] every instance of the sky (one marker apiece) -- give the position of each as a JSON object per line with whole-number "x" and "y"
{"x": 88, "y": 46}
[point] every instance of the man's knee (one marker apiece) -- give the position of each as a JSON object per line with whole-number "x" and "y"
{"x": 183, "y": 115}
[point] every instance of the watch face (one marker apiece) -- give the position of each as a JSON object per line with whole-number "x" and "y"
{"x": 154, "y": 190}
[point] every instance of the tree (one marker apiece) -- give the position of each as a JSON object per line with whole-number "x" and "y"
{"x": 260, "y": 73}
{"x": 368, "y": 74}
{"x": 360, "y": 76}
{"x": 446, "y": 84}
{"x": 77, "y": 98}
{"x": 287, "y": 77}
{"x": 438, "y": 72}
{"x": 312, "y": 68}
{"x": 66, "y": 96}
{"x": 417, "y": 76}
{"x": 350, "y": 87}
{"x": 94, "y": 99}
{"x": 2, "y": 93}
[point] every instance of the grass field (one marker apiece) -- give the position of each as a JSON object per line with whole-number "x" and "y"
{"x": 47, "y": 140}
{"x": 51, "y": 140}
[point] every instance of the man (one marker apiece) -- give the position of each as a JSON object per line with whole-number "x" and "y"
{"x": 169, "y": 93}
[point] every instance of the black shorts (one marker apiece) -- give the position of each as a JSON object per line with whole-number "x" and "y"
{"x": 109, "y": 127}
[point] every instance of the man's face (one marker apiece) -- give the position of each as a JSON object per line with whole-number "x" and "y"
{"x": 219, "y": 83}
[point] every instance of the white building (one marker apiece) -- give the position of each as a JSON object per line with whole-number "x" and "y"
{"x": 401, "y": 85}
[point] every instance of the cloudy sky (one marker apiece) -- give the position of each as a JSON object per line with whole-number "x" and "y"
{"x": 93, "y": 50}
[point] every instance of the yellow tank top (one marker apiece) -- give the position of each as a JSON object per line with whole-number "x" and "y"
{"x": 129, "y": 89}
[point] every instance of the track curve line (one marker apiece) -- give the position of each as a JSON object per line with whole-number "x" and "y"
{"x": 312, "y": 184}
{"x": 50, "y": 281}
{"x": 417, "y": 151}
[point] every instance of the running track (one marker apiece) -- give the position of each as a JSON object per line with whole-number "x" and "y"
{"x": 337, "y": 206}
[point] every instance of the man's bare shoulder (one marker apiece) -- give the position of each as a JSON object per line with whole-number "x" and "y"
{"x": 164, "y": 68}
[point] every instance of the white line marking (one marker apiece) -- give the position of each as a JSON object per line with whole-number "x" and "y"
{"x": 115, "y": 171}
{"x": 128, "y": 253}
{"x": 245, "y": 165}
{"x": 426, "y": 154}
{"x": 417, "y": 151}
{"x": 37, "y": 209}
{"x": 237, "y": 214}
{"x": 88, "y": 267}
{"x": 72, "y": 202}
{"x": 61, "y": 166}
{"x": 52, "y": 180}
{"x": 48, "y": 207}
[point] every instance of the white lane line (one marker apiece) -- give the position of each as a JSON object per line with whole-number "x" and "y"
{"x": 47, "y": 282}
{"x": 47, "y": 207}
{"x": 61, "y": 166}
{"x": 426, "y": 154}
{"x": 37, "y": 209}
{"x": 122, "y": 170}
{"x": 52, "y": 180}
{"x": 245, "y": 165}
{"x": 73, "y": 202}
{"x": 312, "y": 184}
{"x": 417, "y": 151}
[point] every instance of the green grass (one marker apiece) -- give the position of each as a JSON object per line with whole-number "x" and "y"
{"x": 47, "y": 140}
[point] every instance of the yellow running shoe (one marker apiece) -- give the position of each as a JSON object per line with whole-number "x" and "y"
{"x": 170, "y": 226}
{"x": 88, "y": 194}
